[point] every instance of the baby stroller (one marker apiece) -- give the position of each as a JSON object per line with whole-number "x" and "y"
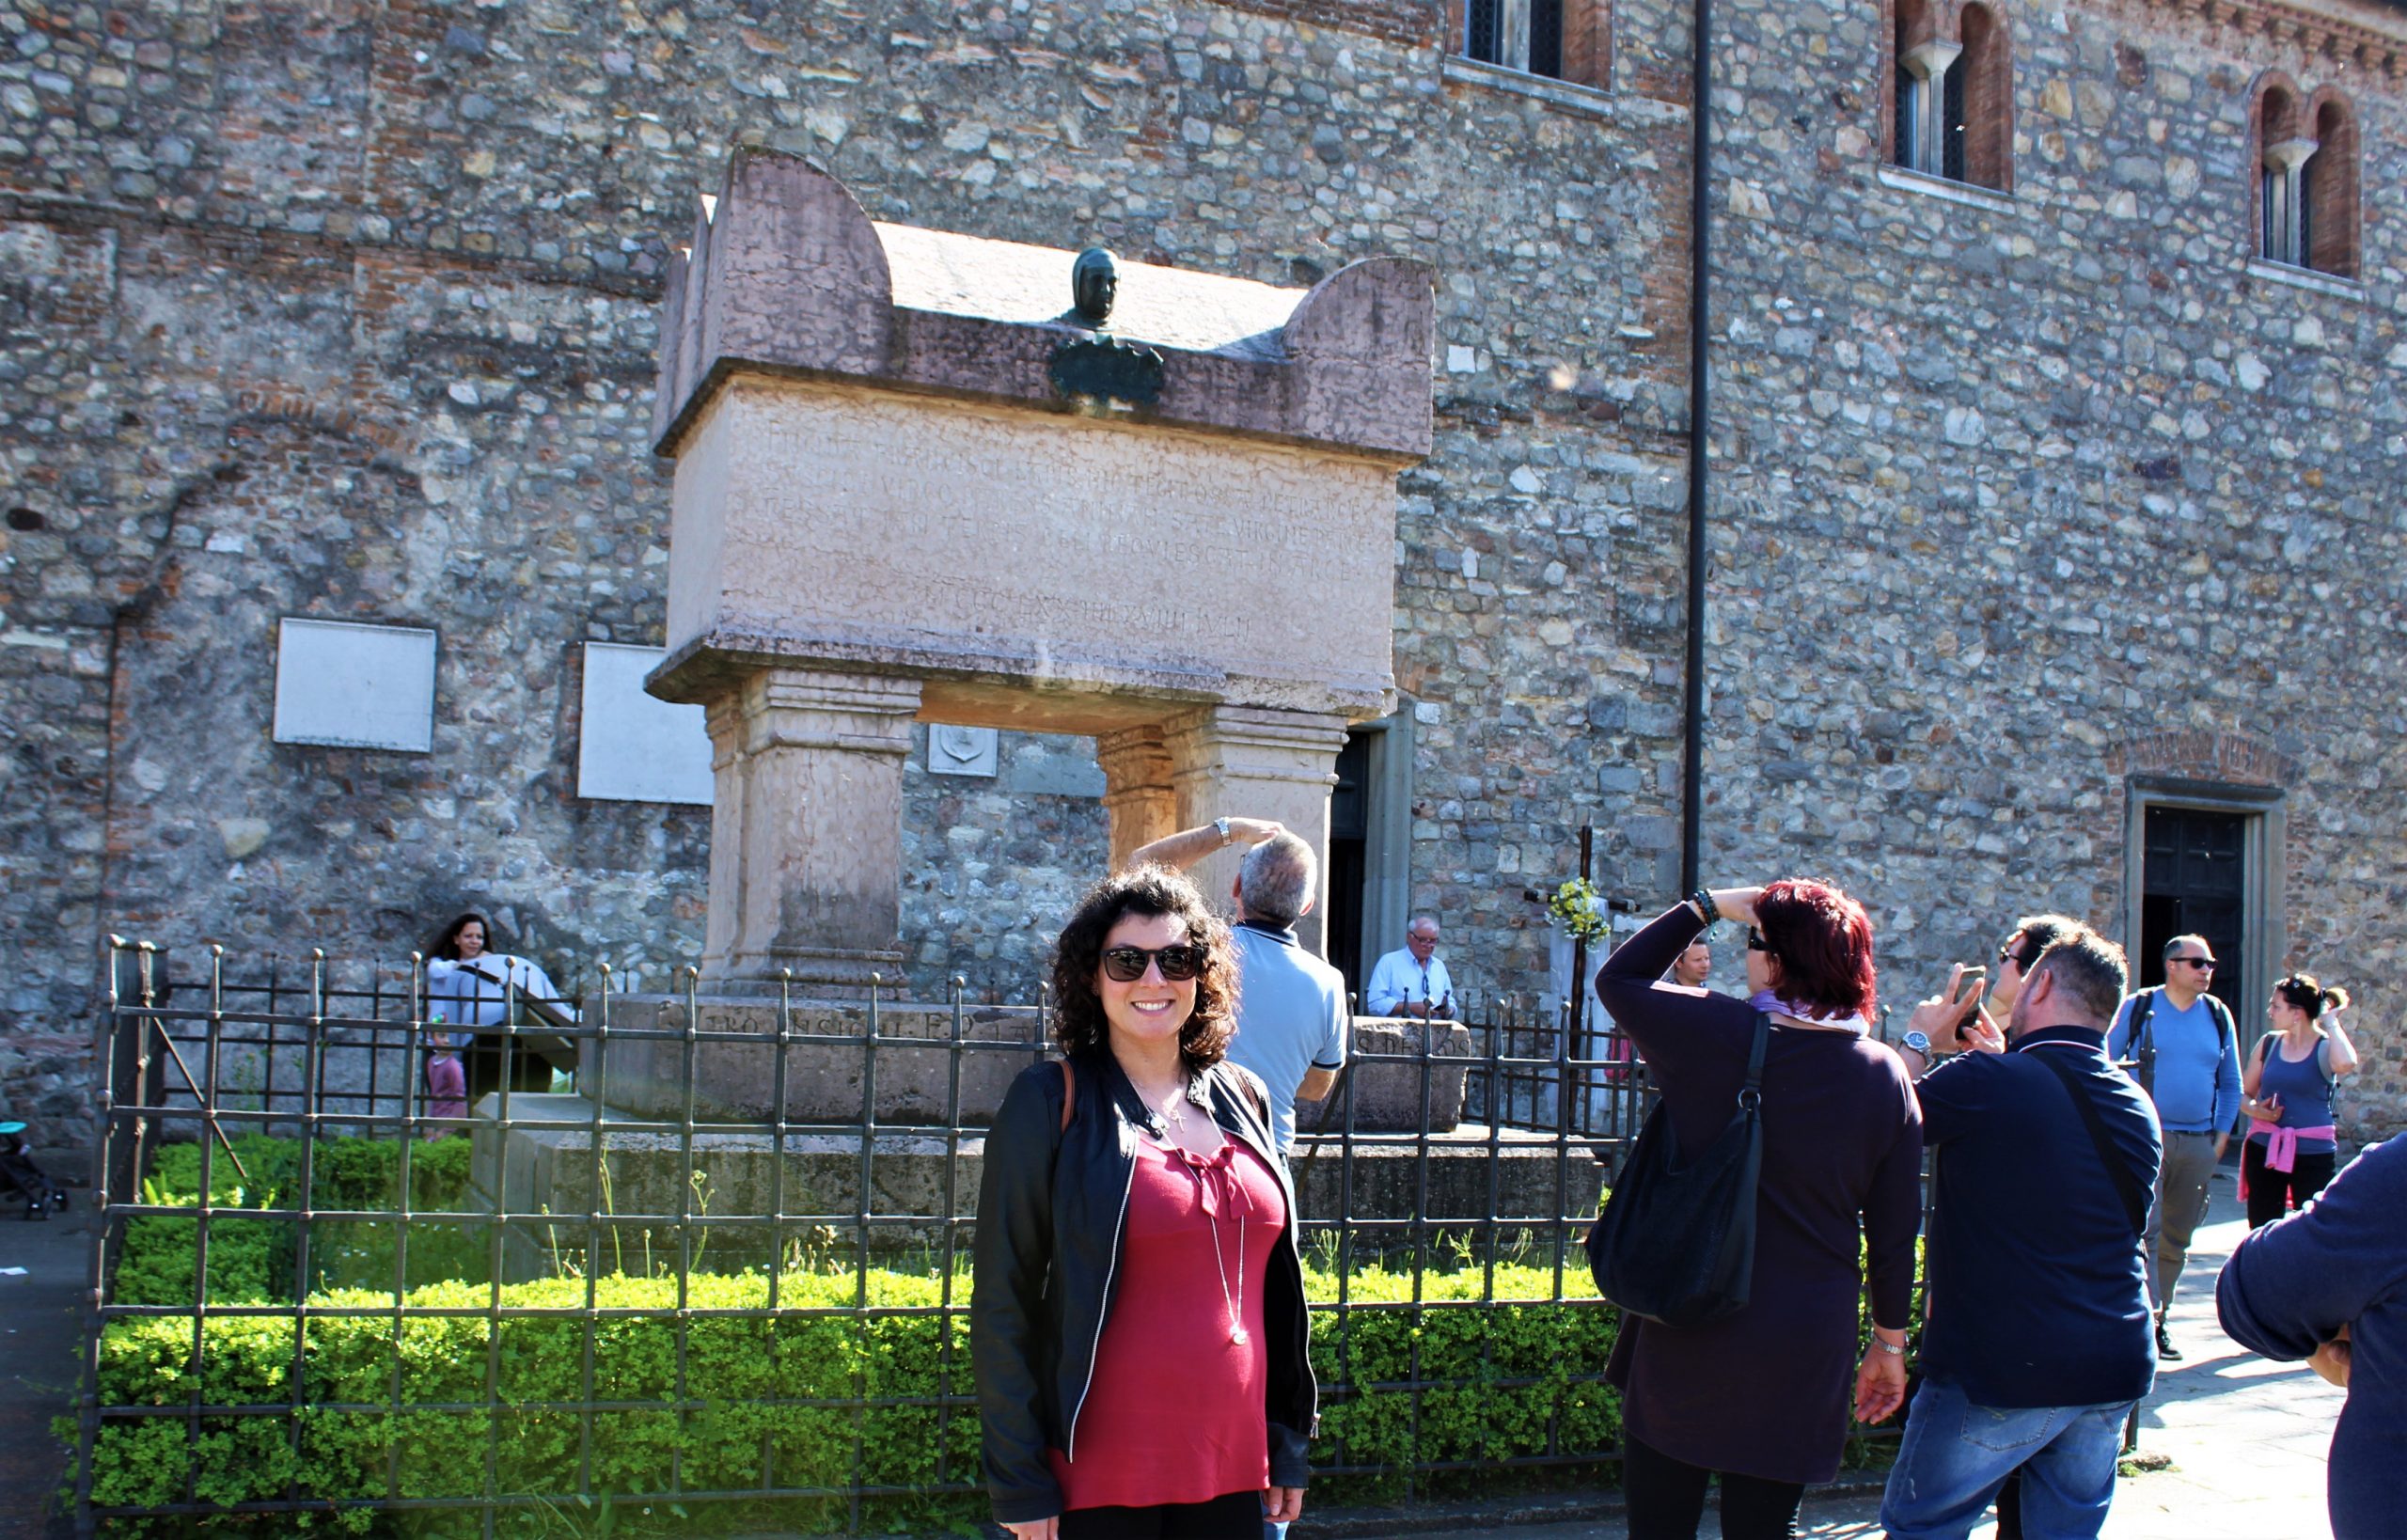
{"x": 20, "y": 1177}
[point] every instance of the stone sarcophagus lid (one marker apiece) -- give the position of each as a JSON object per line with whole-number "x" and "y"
{"x": 923, "y": 475}
{"x": 886, "y": 462}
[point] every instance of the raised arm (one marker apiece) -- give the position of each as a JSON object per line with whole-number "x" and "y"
{"x": 2342, "y": 1057}
{"x": 1187, "y": 846}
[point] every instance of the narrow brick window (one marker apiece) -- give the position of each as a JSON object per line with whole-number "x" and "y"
{"x": 1562, "y": 40}
{"x": 1983, "y": 148}
{"x": 2328, "y": 219}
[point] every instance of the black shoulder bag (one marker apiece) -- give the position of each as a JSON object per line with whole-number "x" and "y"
{"x": 2118, "y": 1167}
{"x": 1676, "y": 1243}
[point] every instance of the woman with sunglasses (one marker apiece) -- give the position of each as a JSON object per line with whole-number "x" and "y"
{"x": 2286, "y": 1090}
{"x": 1841, "y": 1177}
{"x": 1137, "y": 1317}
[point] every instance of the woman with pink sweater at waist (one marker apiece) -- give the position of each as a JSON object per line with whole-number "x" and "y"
{"x": 2292, "y": 1145}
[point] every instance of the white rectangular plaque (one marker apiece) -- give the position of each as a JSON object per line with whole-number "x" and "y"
{"x": 354, "y": 686}
{"x": 632, "y": 748}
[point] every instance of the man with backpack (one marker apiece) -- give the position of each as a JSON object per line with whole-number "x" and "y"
{"x": 2179, "y": 1044}
{"x": 2035, "y": 1337}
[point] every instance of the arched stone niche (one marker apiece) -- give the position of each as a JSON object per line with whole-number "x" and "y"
{"x": 888, "y": 506}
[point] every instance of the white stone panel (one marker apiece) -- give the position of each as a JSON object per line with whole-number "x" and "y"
{"x": 354, "y": 686}
{"x": 632, "y": 748}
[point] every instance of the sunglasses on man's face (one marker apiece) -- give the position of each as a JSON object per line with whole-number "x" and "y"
{"x": 2206, "y": 963}
{"x": 1126, "y": 965}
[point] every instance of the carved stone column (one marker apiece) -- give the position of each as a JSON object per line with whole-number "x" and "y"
{"x": 807, "y": 830}
{"x": 1250, "y": 761}
{"x": 1138, "y": 791}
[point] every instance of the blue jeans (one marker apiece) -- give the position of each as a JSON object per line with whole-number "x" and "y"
{"x": 1955, "y": 1455}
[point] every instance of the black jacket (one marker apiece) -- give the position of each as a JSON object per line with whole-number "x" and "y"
{"x": 1050, "y": 1206}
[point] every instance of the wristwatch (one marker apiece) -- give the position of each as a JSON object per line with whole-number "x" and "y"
{"x": 1222, "y": 825}
{"x": 1920, "y": 1043}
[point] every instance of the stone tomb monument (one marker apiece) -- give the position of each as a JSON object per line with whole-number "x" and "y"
{"x": 918, "y": 477}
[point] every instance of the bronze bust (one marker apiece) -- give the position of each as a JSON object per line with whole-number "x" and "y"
{"x": 1094, "y": 283}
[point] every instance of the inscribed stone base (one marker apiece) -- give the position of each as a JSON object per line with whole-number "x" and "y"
{"x": 829, "y": 1061}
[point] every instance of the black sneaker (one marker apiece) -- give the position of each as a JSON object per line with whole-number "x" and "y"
{"x": 2165, "y": 1348}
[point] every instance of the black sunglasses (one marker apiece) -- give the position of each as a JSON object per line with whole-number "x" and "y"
{"x": 2008, "y": 954}
{"x": 1756, "y": 941}
{"x": 2207, "y": 962}
{"x": 1126, "y": 965}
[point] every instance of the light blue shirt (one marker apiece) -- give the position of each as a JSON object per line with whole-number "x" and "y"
{"x": 2196, "y": 1082}
{"x": 1290, "y": 1018}
{"x": 1400, "y": 978}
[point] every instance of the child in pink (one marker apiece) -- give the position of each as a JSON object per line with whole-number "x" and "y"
{"x": 446, "y": 1084}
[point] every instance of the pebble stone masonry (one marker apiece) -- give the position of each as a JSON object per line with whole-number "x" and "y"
{"x": 2025, "y": 504}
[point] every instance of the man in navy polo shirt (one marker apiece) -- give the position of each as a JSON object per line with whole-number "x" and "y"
{"x": 2036, "y": 1336}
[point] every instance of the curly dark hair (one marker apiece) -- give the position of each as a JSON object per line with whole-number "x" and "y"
{"x": 1078, "y": 1019}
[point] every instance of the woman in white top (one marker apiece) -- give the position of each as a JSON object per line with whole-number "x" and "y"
{"x": 469, "y": 987}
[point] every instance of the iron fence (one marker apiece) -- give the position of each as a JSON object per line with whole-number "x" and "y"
{"x": 719, "y": 1263}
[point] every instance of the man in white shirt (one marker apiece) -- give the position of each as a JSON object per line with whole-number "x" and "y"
{"x": 1414, "y": 981}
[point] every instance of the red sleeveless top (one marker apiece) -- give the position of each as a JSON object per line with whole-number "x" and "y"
{"x": 1174, "y": 1412}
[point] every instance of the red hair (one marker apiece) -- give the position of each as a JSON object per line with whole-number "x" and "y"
{"x": 1823, "y": 941}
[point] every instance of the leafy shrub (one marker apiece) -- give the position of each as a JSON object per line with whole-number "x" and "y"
{"x": 1484, "y": 1367}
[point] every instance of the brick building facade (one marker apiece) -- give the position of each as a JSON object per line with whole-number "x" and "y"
{"x": 2049, "y": 519}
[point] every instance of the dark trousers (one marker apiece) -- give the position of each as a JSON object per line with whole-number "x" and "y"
{"x": 1236, "y": 1515}
{"x": 2270, "y": 1193}
{"x": 483, "y": 1061}
{"x": 1667, "y": 1499}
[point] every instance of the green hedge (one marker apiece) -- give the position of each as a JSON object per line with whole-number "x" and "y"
{"x": 1473, "y": 1340}
{"x": 737, "y": 1362}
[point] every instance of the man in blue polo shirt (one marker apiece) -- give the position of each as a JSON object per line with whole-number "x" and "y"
{"x": 2186, "y": 1057}
{"x": 1292, "y": 1019}
{"x": 2036, "y": 1341}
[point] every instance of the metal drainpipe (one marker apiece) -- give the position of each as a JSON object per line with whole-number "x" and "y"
{"x": 1700, "y": 227}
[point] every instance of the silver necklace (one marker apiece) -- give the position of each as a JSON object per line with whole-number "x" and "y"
{"x": 1235, "y": 1308}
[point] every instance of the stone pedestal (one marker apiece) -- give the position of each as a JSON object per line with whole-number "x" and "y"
{"x": 1455, "y": 1181}
{"x": 807, "y": 830}
{"x": 1381, "y": 1090}
{"x": 836, "y": 1072}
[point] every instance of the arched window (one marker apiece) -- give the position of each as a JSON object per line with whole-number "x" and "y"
{"x": 1563, "y": 39}
{"x": 2282, "y": 155}
{"x": 2328, "y": 217}
{"x": 1953, "y": 95}
{"x": 1924, "y": 61}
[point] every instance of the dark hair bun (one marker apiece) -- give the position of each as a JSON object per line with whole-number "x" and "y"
{"x": 2335, "y": 999}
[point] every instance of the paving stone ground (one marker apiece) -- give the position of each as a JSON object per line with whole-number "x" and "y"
{"x": 2247, "y": 1438}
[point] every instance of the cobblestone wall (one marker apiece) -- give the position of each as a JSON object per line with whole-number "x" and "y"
{"x": 346, "y": 312}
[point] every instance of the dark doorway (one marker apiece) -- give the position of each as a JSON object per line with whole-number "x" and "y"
{"x": 2195, "y": 879}
{"x": 1350, "y": 834}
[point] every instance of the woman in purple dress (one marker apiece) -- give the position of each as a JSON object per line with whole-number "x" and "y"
{"x": 1761, "y": 1397}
